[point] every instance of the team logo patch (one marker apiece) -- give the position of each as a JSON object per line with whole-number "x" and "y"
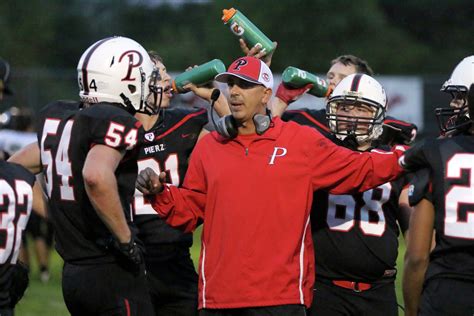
{"x": 266, "y": 77}
{"x": 150, "y": 136}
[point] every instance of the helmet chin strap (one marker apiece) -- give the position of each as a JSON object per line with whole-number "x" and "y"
{"x": 350, "y": 141}
{"x": 129, "y": 107}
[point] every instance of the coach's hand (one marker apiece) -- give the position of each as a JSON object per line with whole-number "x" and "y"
{"x": 148, "y": 182}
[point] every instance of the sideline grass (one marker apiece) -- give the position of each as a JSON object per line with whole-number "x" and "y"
{"x": 47, "y": 300}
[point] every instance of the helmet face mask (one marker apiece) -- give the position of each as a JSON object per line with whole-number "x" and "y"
{"x": 456, "y": 116}
{"x": 357, "y": 108}
{"x": 450, "y": 119}
{"x": 119, "y": 70}
{"x": 155, "y": 96}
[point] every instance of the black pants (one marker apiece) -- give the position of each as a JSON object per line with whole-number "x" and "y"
{"x": 280, "y": 310}
{"x": 445, "y": 296}
{"x": 332, "y": 300}
{"x": 173, "y": 282}
{"x": 105, "y": 289}
{"x": 6, "y": 312}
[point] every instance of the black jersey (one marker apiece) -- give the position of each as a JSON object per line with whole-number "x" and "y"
{"x": 314, "y": 118}
{"x": 16, "y": 199}
{"x": 451, "y": 164}
{"x": 66, "y": 135}
{"x": 167, "y": 147}
{"x": 356, "y": 236}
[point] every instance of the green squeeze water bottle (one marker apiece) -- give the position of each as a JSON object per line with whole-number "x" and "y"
{"x": 244, "y": 28}
{"x": 297, "y": 78}
{"x": 198, "y": 75}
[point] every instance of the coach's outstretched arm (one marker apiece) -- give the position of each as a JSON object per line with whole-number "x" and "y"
{"x": 183, "y": 207}
{"x": 341, "y": 170}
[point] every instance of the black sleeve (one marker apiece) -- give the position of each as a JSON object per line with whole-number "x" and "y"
{"x": 402, "y": 212}
{"x": 200, "y": 119}
{"x": 420, "y": 187}
{"x": 416, "y": 157}
{"x": 117, "y": 130}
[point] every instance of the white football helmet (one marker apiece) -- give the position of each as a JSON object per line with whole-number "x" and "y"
{"x": 452, "y": 118}
{"x": 357, "y": 90}
{"x": 119, "y": 70}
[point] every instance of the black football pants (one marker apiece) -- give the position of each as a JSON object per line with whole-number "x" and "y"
{"x": 443, "y": 296}
{"x": 105, "y": 290}
{"x": 172, "y": 281}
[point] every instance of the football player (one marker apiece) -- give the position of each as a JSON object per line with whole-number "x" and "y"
{"x": 356, "y": 236}
{"x": 18, "y": 195}
{"x": 87, "y": 154}
{"x": 454, "y": 119}
{"x": 169, "y": 139}
{"x": 442, "y": 282}
{"x": 395, "y": 131}
{"x": 17, "y": 132}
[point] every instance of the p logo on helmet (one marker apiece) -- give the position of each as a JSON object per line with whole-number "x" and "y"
{"x": 131, "y": 58}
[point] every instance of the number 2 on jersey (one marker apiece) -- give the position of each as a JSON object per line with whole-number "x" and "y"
{"x": 453, "y": 225}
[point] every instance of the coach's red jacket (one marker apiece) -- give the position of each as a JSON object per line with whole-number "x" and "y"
{"x": 254, "y": 194}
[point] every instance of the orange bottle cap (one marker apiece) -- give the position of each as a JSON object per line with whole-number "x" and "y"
{"x": 174, "y": 87}
{"x": 228, "y": 14}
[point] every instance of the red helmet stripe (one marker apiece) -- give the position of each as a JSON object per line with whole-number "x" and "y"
{"x": 356, "y": 82}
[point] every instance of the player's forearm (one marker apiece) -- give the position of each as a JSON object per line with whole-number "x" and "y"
{"x": 413, "y": 277}
{"x": 278, "y": 107}
{"x": 103, "y": 194}
{"x": 222, "y": 106}
{"x": 39, "y": 200}
{"x": 28, "y": 157}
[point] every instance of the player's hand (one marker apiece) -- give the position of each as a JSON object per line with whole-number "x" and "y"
{"x": 289, "y": 95}
{"x": 132, "y": 254}
{"x": 401, "y": 132}
{"x": 256, "y": 52}
{"x": 148, "y": 182}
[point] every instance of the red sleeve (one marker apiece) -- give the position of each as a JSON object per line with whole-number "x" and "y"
{"x": 343, "y": 171}
{"x": 181, "y": 207}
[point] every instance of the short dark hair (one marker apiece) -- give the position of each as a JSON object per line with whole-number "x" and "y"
{"x": 154, "y": 56}
{"x": 361, "y": 65}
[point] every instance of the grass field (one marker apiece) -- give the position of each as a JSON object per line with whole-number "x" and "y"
{"x": 46, "y": 299}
